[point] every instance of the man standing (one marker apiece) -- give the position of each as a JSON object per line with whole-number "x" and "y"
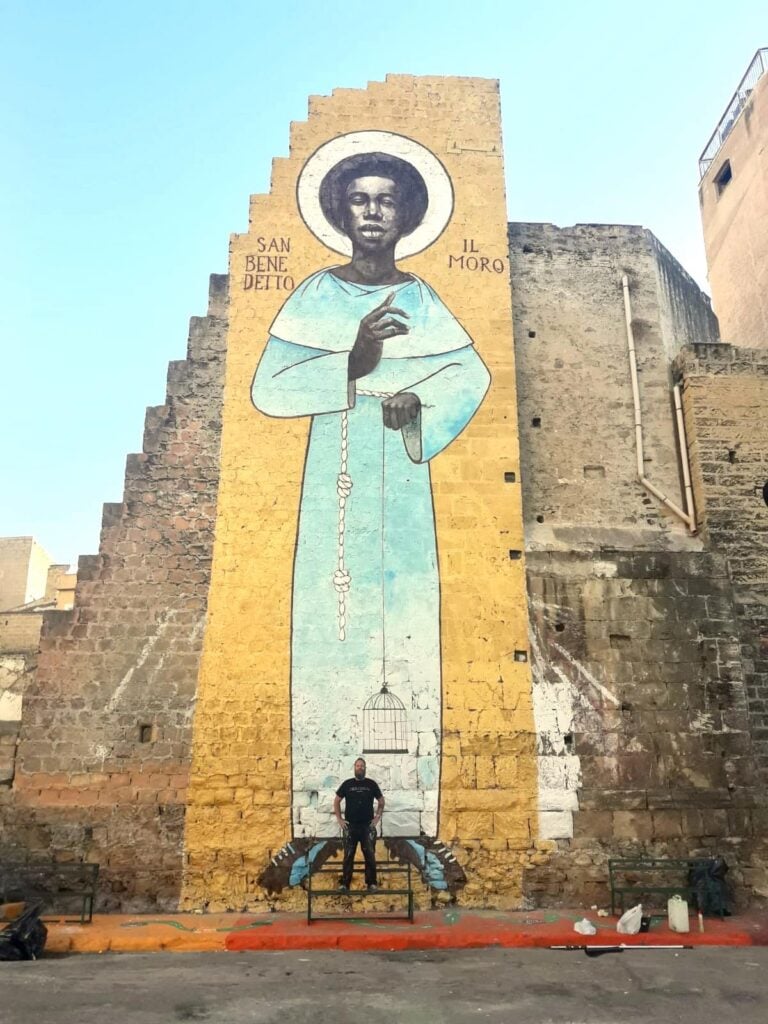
{"x": 359, "y": 823}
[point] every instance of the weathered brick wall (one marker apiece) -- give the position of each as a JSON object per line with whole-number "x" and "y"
{"x": 726, "y": 410}
{"x": 103, "y": 760}
{"x": 577, "y": 441}
{"x": 20, "y": 631}
{"x": 641, "y": 700}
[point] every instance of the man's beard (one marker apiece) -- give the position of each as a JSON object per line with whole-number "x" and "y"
{"x": 359, "y": 775}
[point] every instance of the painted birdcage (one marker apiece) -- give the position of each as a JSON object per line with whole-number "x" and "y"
{"x": 385, "y": 724}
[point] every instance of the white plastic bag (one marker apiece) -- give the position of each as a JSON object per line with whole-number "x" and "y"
{"x": 629, "y": 922}
{"x": 677, "y": 911}
{"x": 585, "y": 927}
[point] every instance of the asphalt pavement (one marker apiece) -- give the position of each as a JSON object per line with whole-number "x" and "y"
{"x": 436, "y": 987}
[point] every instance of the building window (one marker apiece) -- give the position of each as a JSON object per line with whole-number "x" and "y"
{"x": 723, "y": 177}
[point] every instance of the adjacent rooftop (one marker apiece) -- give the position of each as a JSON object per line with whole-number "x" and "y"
{"x": 757, "y": 68}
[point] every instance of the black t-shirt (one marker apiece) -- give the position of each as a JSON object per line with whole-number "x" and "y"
{"x": 358, "y": 796}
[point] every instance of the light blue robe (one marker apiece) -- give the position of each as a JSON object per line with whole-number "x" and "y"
{"x": 366, "y": 593}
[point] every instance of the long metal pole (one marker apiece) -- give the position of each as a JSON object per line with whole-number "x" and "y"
{"x": 682, "y": 442}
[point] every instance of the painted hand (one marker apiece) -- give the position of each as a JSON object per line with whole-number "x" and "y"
{"x": 400, "y": 410}
{"x": 375, "y": 328}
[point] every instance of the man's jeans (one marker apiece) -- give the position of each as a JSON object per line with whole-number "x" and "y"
{"x": 365, "y": 835}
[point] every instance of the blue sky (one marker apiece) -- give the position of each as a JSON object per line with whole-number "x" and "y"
{"x": 134, "y": 132}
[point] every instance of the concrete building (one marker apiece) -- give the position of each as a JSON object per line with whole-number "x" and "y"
{"x": 733, "y": 195}
{"x": 24, "y": 566}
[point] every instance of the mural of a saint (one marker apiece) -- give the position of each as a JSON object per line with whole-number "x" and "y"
{"x": 389, "y": 378}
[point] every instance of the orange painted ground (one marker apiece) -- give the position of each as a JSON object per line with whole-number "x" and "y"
{"x": 439, "y": 929}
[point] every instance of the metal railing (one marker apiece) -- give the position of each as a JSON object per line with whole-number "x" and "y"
{"x": 755, "y": 71}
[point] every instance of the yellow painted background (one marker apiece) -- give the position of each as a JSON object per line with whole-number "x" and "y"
{"x": 238, "y": 811}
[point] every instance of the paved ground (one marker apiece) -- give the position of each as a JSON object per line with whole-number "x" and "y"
{"x": 436, "y": 987}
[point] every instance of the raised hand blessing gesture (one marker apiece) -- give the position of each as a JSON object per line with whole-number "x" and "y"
{"x": 375, "y": 328}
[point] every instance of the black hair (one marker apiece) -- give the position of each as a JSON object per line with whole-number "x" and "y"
{"x": 413, "y": 190}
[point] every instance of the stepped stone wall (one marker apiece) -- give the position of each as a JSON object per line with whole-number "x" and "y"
{"x": 103, "y": 759}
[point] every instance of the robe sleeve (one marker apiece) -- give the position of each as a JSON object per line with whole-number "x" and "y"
{"x": 292, "y": 380}
{"x": 449, "y": 398}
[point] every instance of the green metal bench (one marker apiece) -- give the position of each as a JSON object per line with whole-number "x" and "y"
{"x": 52, "y": 885}
{"x": 623, "y": 886}
{"x": 387, "y": 868}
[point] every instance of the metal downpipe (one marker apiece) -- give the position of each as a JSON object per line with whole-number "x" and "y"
{"x": 685, "y": 517}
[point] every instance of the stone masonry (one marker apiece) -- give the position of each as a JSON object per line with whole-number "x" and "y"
{"x": 104, "y": 750}
{"x": 646, "y": 646}
{"x": 577, "y": 443}
{"x": 726, "y": 405}
{"x": 642, "y": 698}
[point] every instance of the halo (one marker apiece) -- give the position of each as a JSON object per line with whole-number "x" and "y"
{"x": 439, "y": 188}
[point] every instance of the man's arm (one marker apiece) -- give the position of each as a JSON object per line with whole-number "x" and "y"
{"x": 379, "y": 809}
{"x": 337, "y": 811}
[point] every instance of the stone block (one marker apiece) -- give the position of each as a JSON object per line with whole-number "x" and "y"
{"x": 632, "y": 825}
{"x": 667, "y": 824}
{"x": 612, "y": 799}
{"x": 593, "y": 824}
{"x": 714, "y": 822}
{"x": 474, "y": 824}
{"x": 555, "y": 825}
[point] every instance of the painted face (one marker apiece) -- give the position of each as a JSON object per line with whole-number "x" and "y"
{"x": 373, "y": 214}
{"x": 359, "y": 769}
